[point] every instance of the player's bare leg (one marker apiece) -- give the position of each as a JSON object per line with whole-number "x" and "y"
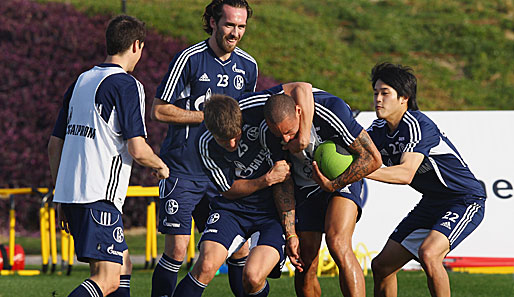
{"x": 306, "y": 283}
{"x": 386, "y": 265}
{"x": 261, "y": 260}
{"x": 126, "y": 268}
{"x": 212, "y": 256}
{"x": 431, "y": 254}
{"x": 106, "y": 275}
{"x": 339, "y": 226}
{"x": 175, "y": 246}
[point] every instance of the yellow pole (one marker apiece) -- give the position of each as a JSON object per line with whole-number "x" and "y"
{"x": 154, "y": 232}
{"x": 12, "y": 224}
{"x": 53, "y": 239}
{"x": 148, "y": 235}
{"x": 64, "y": 247}
{"x": 191, "y": 245}
{"x": 43, "y": 230}
{"x": 71, "y": 249}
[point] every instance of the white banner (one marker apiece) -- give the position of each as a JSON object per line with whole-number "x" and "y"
{"x": 485, "y": 140}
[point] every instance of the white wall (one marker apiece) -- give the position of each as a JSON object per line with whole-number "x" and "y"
{"x": 485, "y": 139}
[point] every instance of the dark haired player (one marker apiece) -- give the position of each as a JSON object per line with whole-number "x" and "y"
{"x": 417, "y": 153}
{"x": 99, "y": 131}
{"x": 215, "y": 65}
{"x": 324, "y": 206}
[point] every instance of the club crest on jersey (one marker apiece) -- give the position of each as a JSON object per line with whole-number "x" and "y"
{"x": 171, "y": 206}
{"x": 117, "y": 234}
{"x": 213, "y": 218}
{"x": 234, "y": 68}
{"x": 252, "y": 133}
{"x": 239, "y": 82}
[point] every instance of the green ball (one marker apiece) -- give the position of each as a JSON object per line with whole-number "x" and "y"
{"x": 332, "y": 159}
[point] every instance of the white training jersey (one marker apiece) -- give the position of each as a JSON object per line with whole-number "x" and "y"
{"x": 95, "y": 162}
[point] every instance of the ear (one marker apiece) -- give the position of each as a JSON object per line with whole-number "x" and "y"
{"x": 298, "y": 110}
{"x": 404, "y": 100}
{"x": 212, "y": 23}
{"x": 135, "y": 46}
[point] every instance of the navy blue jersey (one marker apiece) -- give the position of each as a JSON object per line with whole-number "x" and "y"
{"x": 193, "y": 75}
{"x": 251, "y": 160}
{"x": 333, "y": 120}
{"x": 120, "y": 102}
{"x": 443, "y": 172}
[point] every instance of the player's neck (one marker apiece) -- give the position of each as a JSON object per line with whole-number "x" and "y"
{"x": 221, "y": 54}
{"x": 394, "y": 119}
{"x": 116, "y": 59}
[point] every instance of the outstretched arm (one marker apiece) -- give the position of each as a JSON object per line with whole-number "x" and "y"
{"x": 283, "y": 194}
{"x": 402, "y": 173}
{"x": 302, "y": 94}
{"x": 244, "y": 187}
{"x": 367, "y": 159}
{"x": 168, "y": 113}
{"x": 144, "y": 155}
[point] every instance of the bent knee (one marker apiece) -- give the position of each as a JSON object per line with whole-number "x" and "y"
{"x": 339, "y": 246}
{"x": 252, "y": 281}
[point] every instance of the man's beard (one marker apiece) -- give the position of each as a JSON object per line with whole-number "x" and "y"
{"x": 221, "y": 42}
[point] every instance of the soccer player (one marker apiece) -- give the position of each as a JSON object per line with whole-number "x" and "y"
{"x": 323, "y": 205}
{"x": 99, "y": 132}
{"x": 239, "y": 165}
{"x": 215, "y": 65}
{"x": 418, "y": 154}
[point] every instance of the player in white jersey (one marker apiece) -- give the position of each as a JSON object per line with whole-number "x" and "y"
{"x": 215, "y": 65}
{"x": 99, "y": 132}
{"x": 417, "y": 153}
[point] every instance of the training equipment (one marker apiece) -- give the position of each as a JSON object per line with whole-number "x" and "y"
{"x": 332, "y": 159}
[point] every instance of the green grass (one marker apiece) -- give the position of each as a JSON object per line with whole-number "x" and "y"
{"x": 409, "y": 284}
{"x": 462, "y": 51}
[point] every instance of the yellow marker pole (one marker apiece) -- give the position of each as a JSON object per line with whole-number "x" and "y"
{"x": 71, "y": 255}
{"x": 43, "y": 230}
{"x": 53, "y": 239}
{"x": 148, "y": 235}
{"x": 191, "y": 246}
{"x": 64, "y": 248}
{"x": 154, "y": 232}
{"x": 12, "y": 224}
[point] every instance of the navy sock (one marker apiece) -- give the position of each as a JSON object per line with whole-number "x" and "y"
{"x": 262, "y": 293}
{"x": 124, "y": 288}
{"x": 189, "y": 287}
{"x": 235, "y": 275}
{"x": 164, "y": 278}
{"x": 87, "y": 289}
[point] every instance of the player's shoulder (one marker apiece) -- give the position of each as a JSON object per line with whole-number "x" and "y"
{"x": 416, "y": 119}
{"x": 324, "y": 101}
{"x": 121, "y": 81}
{"x": 257, "y": 99}
{"x": 377, "y": 125}
{"x": 245, "y": 56}
{"x": 192, "y": 51}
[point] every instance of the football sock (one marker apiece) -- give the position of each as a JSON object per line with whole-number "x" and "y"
{"x": 235, "y": 275}
{"x": 189, "y": 287}
{"x": 262, "y": 293}
{"x": 87, "y": 289}
{"x": 124, "y": 288}
{"x": 164, "y": 278}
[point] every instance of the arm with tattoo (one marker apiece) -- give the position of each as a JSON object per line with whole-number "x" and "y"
{"x": 367, "y": 159}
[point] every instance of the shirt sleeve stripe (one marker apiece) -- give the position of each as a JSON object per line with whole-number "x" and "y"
{"x": 180, "y": 63}
{"x": 414, "y": 131}
{"x": 210, "y": 165}
{"x": 335, "y": 122}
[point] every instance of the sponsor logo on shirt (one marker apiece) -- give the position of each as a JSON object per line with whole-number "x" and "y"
{"x": 168, "y": 224}
{"x": 234, "y": 68}
{"x": 204, "y": 77}
{"x": 210, "y": 231}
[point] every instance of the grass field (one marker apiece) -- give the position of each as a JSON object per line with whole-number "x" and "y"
{"x": 411, "y": 283}
{"x": 462, "y": 51}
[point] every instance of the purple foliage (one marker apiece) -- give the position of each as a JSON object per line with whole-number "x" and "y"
{"x": 44, "y": 47}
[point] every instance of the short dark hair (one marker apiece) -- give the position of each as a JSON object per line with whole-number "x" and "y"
{"x": 279, "y": 107}
{"x": 399, "y": 78}
{"x": 215, "y": 10}
{"x": 122, "y": 31}
{"x": 222, "y": 116}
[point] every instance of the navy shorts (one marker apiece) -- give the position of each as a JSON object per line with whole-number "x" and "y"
{"x": 232, "y": 230}
{"x": 179, "y": 200}
{"x": 97, "y": 229}
{"x": 456, "y": 217}
{"x": 312, "y": 203}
